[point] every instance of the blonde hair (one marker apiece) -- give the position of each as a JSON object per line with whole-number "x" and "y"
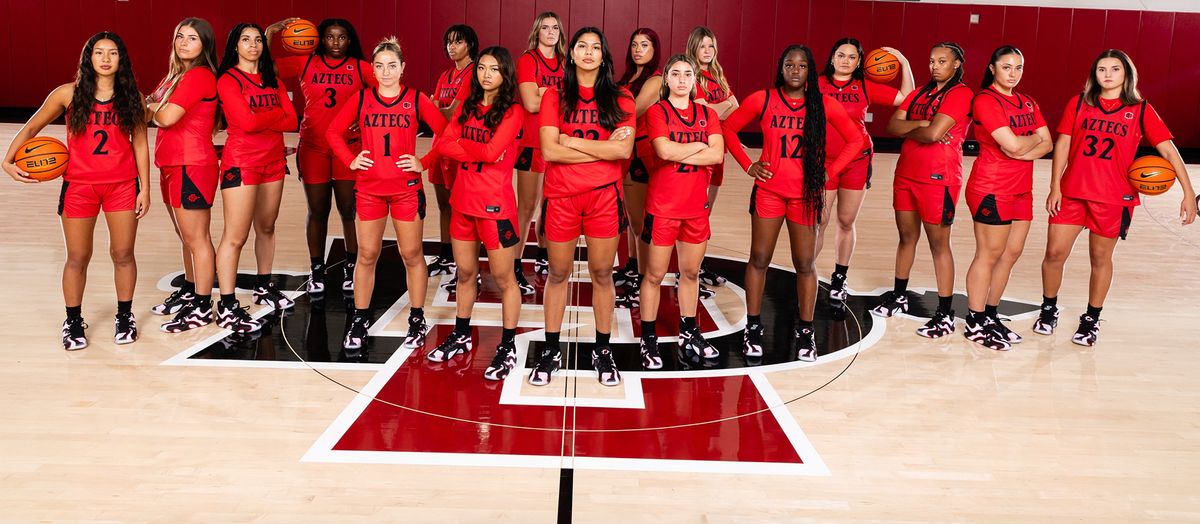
{"x": 388, "y": 44}
{"x": 560, "y": 47}
{"x": 665, "y": 91}
{"x": 207, "y": 58}
{"x": 693, "y": 51}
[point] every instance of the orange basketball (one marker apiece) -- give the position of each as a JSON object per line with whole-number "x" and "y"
{"x": 1151, "y": 175}
{"x": 299, "y": 37}
{"x": 43, "y": 157}
{"x": 881, "y": 66}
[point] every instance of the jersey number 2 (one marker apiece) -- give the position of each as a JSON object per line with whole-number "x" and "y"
{"x": 103, "y": 136}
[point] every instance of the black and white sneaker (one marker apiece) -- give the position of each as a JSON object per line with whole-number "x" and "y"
{"x": 690, "y": 340}
{"x": 891, "y": 304}
{"x": 174, "y": 302}
{"x": 651, "y": 358}
{"x": 1088, "y": 332}
{"x": 316, "y": 281}
{"x": 72, "y": 334}
{"x": 985, "y": 333}
{"x": 356, "y": 334}
{"x": 237, "y": 319}
{"x": 547, "y": 363}
{"x": 348, "y": 276}
{"x": 191, "y": 317}
{"x": 837, "y": 290}
{"x": 417, "y": 329}
{"x": 1011, "y": 336}
{"x": 271, "y": 296}
{"x": 523, "y": 283}
{"x": 630, "y": 299}
{"x": 456, "y": 344}
{"x": 752, "y": 340}
{"x": 504, "y": 361}
{"x": 541, "y": 266}
{"x": 940, "y": 325}
{"x": 708, "y": 278}
{"x": 606, "y": 368}
{"x": 125, "y": 329}
{"x": 1047, "y": 320}
{"x": 627, "y": 277}
{"x": 442, "y": 266}
{"x": 806, "y": 344}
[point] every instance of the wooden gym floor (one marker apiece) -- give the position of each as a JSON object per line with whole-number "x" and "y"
{"x": 914, "y": 431}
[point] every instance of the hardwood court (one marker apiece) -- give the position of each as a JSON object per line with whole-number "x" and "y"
{"x": 913, "y": 430}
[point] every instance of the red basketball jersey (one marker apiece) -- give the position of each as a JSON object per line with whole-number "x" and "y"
{"x": 936, "y": 163}
{"x": 856, "y": 99}
{"x": 389, "y": 130}
{"x": 102, "y": 153}
{"x": 679, "y": 190}
{"x": 710, "y": 89}
{"x": 450, "y": 82}
{"x": 482, "y": 188}
{"x": 190, "y": 141}
{"x": 995, "y": 172}
{"x": 245, "y": 147}
{"x": 326, "y": 87}
{"x": 1104, "y": 143}
{"x": 533, "y": 67}
{"x": 584, "y": 122}
{"x": 782, "y": 124}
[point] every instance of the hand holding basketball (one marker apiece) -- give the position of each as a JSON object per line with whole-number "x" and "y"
{"x": 18, "y": 175}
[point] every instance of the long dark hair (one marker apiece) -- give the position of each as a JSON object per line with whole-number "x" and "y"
{"x": 988, "y": 75}
{"x": 354, "y": 50}
{"x": 829, "y": 70}
{"x": 266, "y": 66}
{"x": 635, "y": 87}
{"x": 958, "y": 73}
{"x": 465, "y": 33}
{"x": 127, "y": 100}
{"x": 814, "y": 129}
{"x": 606, "y": 90}
{"x": 1129, "y": 92}
{"x": 504, "y": 99}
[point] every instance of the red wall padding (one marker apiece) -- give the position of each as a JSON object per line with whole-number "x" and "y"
{"x": 45, "y": 36}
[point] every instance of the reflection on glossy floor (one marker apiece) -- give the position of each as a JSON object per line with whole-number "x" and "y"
{"x": 885, "y": 427}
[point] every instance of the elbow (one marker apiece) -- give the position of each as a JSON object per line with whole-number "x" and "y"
{"x": 531, "y": 106}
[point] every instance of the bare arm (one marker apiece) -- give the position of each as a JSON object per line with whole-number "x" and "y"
{"x": 1043, "y": 147}
{"x": 618, "y": 146}
{"x": 1015, "y": 146}
{"x": 553, "y": 151}
{"x": 675, "y": 151}
{"x": 531, "y": 96}
{"x": 1187, "y": 209}
{"x": 648, "y": 96}
{"x": 1058, "y": 166}
{"x": 56, "y": 103}
{"x": 141, "y": 154}
{"x": 907, "y": 84}
{"x": 712, "y": 154}
{"x": 901, "y": 126}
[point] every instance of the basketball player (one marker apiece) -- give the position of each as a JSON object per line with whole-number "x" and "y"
{"x": 716, "y": 93}
{"x": 587, "y": 132}
{"x": 462, "y": 47}
{"x": 184, "y": 107}
{"x": 539, "y": 69}
{"x": 387, "y": 116}
{"x": 789, "y": 184}
{"x": 1098, "y": 138}
{"x": 253, "y": 166}
{"x": 481, "y": 138}
{"x": 1012, "y": 134}
{"x": 334, "y": 72}
{"x": 843, "y": 81}
{"x": 686, "y": 136}
{"x": 643, "y": 79}
{"x": 109, "y": 164}
{"x": 933, "y": 121}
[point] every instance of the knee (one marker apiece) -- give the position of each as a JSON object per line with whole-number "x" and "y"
{"x": 805, "y": 266}
{"x": 1055, "y": 256}
{"x": 465, "y": 274}
{"x": 653, "y": 278}
{"x": 1101, "y": 263}
{"x": 78, "y": 261}
{"x": 122, "y": 256}
{"x": 412, "y": 259}
{"x": 759, "y": 261}
{"x": 601, "y": 275}
{"x": 1010, "y": 255}
{"x": 526, "y": 205}
{"x": 558, "y": 275}
{"x": 846, "y": 224}
{"x": 266, "y": 230}
{"x": 689, "y": 274}
{"x": 909, "y": 238}
{"x": 367, "y": 256}
{"x": 318, "y": 211}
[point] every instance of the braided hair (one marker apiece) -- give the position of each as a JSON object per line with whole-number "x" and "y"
{"x": 958, "y": 73}
{"x": 814, "y": 129}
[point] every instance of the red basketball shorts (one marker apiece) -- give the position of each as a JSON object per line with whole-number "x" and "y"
{"x": 405, "y": 207}
{"x": 235, "y": 176}
{"x": 934, "y": 202}
{"x": 318, "y": 166}
{"x": 1104, "y": 219}
{"x": 442, "y": 173}
{"x": 530, "y": 159}
{"x": 765, "y": 203}
{"x": 856, "y": 176}
{"x": 493, "y": 233}
{"x": 663, "y": 231}
{"x": 79, "y": 200}
{"x": 188, "y": 187}
{"x": 999, "y": 210}
{"x": 599, "y": 213}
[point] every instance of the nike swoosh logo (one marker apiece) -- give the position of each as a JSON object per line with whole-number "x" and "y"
{"x": 297, "y": 30}
{"x": 30, "y": 149}
{"x": 881, "y": 57}
{"x": 1143, "y": 175}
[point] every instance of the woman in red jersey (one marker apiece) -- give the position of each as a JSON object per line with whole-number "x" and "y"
{"x": 586, "y": 133}
{"x": 253, "y": 166}
{"x": 539, "y": 69}
{"x": 109, "y": 164}
{"x": 462, "y": 47}
{"x": 686, "y": 136}
{"x": 1011, "y": 134}
{"x": 334, "y": 72}
{"x": 1098, "y": 138}
{"x": 643, "y": 79}
{"x": 933, "y": 121}
{"x": 843, "y": 81}
{"x": 184, "y": 107}
{"x": 715, "y": 92}
{"x": 481, "y": 138}
{"x": 389, "y": 183}
{"x": 789, "y": 183}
